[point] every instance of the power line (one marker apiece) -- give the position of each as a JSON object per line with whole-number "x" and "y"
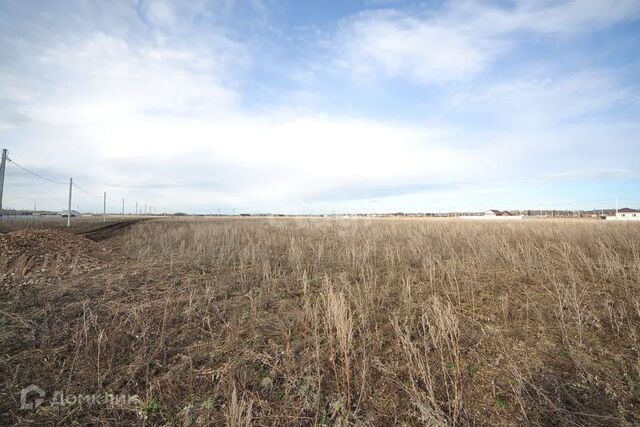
{"x": 35, "y": 174}
{"x": 71, "y": 184}
{"x": 85, "y": 191}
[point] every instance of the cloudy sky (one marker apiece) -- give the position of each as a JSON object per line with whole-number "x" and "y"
{"x": 322, "y": 106}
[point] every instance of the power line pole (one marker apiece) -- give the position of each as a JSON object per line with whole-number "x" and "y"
{"x": 69, "y": 211}
{"x": 3, "y": 163}
{"x": 123, "y": 206}
{"x": 104, "y": 208}
{"x": 136, "y": 208}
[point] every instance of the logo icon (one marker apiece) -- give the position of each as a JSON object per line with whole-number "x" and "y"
{"x": 27, "y": 394}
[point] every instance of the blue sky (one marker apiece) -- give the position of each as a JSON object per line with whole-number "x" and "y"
{"x": 332, "y": 106}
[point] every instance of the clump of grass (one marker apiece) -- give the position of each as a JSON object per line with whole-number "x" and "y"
{"x": 431, "y": 349}
{"x": 238, "y": 412}
{"x": 339, "y": 330}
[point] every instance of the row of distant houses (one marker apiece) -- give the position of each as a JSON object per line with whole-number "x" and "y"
{"x": 624, "y": 214}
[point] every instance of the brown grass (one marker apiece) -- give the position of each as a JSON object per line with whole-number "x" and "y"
{"x": 337, "y": 322}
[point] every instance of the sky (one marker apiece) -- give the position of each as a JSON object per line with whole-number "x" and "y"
{"x": 321, "y": 106}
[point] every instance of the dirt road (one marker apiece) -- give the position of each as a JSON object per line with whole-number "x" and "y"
{"x": 107, "y": 231}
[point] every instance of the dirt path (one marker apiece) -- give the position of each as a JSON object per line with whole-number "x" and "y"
{"x": 107, "y": 231}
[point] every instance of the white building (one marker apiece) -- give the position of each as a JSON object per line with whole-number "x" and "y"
{"x": 495, "y": 214}
{"x": 625, "y": 214}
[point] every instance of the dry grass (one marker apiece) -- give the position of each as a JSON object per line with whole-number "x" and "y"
{"x": 330, "y": 322}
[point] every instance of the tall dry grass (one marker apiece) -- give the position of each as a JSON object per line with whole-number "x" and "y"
{"x": 330, "y": 322}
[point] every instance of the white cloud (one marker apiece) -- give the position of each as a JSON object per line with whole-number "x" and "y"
{"x": 538, "y": 102}
{"x": 462, "y": 39}
{"x": 289, "y": 158}
{"x": 405, "y": 46}
{"x": 102, "y": 76}
{"x": 161, "y": 13}
{"x": 572, "y": 16}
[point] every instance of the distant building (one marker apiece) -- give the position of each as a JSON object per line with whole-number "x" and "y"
{"x": 495, "y": 212}
{"x": 65, "y": 213}
{"x": 625, "y": 214}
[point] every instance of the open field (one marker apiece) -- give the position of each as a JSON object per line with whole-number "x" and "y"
{"x": 327, "y": 322}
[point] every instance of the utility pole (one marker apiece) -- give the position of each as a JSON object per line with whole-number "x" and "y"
{"x": 616, "y": 207}
{"x": 145, "y": 208}
{"x": 104, "y": 208}
{"x": 123, "y": 206}
{"x": 3, "y": 163}
{"x": 136, "y": 208}
{"x": 69, "y": 211}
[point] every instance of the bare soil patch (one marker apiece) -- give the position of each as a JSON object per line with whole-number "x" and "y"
{"x": 29, "y": 252}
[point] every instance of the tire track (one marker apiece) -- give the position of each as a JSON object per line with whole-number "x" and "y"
{"x": 107, "y": 231}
